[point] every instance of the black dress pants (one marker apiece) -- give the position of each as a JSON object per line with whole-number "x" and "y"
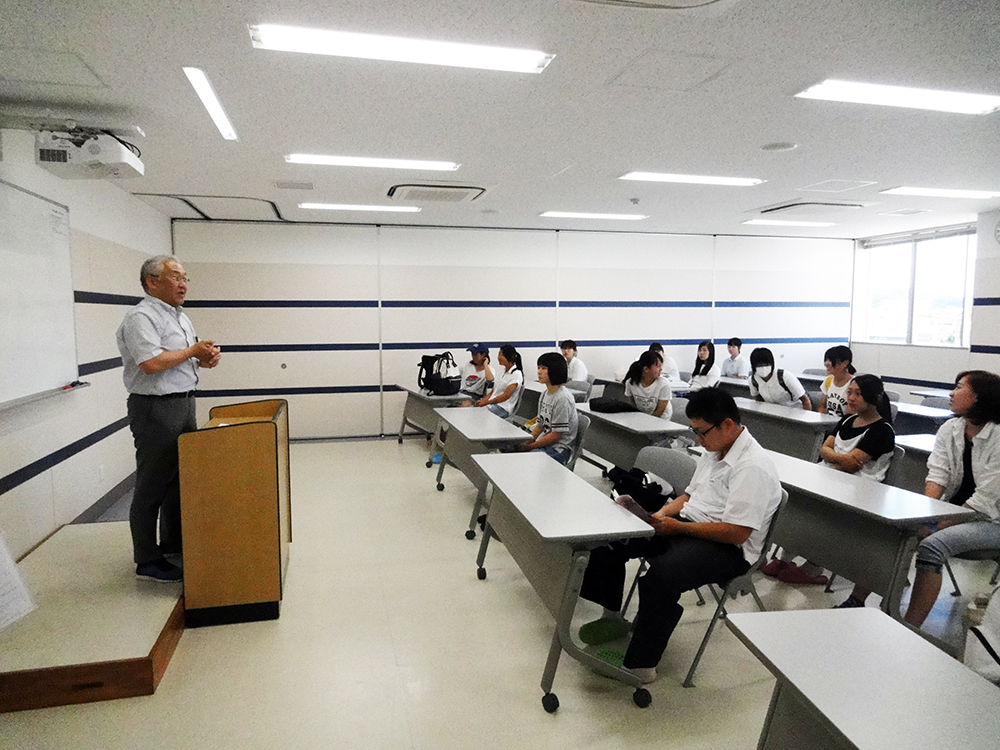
{"x": 156, "y": 424}
{"x": 677, "y": 563}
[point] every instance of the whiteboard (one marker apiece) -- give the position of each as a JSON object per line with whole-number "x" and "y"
{"x": 37, "y": 331}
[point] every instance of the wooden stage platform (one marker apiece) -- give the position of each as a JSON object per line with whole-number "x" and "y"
{"x": 98, "y": 632}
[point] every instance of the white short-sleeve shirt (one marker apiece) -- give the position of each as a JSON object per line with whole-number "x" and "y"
{"x": 647, "y": 397}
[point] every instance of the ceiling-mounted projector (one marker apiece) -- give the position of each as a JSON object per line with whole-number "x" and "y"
{"x": 85, "y": 155}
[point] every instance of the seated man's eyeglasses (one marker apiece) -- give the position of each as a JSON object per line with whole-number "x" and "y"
{"x": 702, "y": 433}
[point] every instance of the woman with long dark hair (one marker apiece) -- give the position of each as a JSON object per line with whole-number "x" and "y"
{"x": 706, "y": 373}
{"x": 507, "y": 384}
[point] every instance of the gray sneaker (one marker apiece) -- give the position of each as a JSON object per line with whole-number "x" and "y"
{"x": 160, "y": 571}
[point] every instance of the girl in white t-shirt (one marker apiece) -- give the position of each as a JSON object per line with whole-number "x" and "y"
{"x": 506, "y": 392}
{"x": 706, "y": 373}
{"x": 476, "y": 375}
{"x": 775, "y": 386}
{"x": 646, "y": 388}
{"x": 840, "y": 372}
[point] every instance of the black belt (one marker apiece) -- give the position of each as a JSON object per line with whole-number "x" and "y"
{"x": 185, "y": 394}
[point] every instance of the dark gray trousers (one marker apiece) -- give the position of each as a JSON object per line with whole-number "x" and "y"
{"x": 156, "y": 425}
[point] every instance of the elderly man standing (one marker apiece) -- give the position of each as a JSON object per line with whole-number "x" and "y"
{"x": 161, "y": 356}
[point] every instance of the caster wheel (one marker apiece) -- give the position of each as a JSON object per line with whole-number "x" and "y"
{"x": 481, "y": 574}
{"x": 440, "y": 487}
{"x": 550, "y": 703}
{"x": 642, "y": 698}
{"x": 470, "y": 534}
{"x": 400, "y": 441}
{"x": 604, "y": 473}
{"x": 429, "y": 464}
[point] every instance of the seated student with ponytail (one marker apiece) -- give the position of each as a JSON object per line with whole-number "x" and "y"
{"x": 839, "y": 369}
{"x": 646, "y": 388}
{"x": 861, "y": 444}
{"x": 557, "y": 422}
{"x": 672, "y": 373}
{"x": 507, "y": 384}
{"x": 775, "y": 386}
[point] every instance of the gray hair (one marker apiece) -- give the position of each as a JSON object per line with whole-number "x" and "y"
{"x": 153, "y": 267}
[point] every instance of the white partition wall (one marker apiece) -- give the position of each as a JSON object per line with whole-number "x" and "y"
{"x": 333, "y": 317}
{"x": 618, "y": 292}
{"x": 295, "y": 309}
{"x": 792, "y": 295}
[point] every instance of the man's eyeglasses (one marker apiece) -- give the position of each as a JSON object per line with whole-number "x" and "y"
{"x": 176, "y": 277}
{"x": 702, "y": 433}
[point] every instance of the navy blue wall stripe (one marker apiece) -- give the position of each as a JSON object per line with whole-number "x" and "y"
{"x": 100, "y": 298}
{"x": 819, "y": 340}
{"x": 984, "y": 349}
{"x": 467, "y": 303}
{"x": 782, "y": 304}
{"x": 89, "y": 368}
{"x": 323, "y": 389}
{"x": 461, "y": 345}
{"x": 631, "y": 303}
{"x": 280, "y": 303}
{"x": 298, "y": 347}
{"x": 985, "y": 301}
{"x": 35, "y": 468}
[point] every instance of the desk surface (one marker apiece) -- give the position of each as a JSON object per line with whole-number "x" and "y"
{"x": 931, "y": 393}
{"x": 891, "y": 504}
{"x": 925, "y": 411}
{"x": 481, "y": 425}
{"x": 636, "y": 421}
{"x": 919, "y": 443}
{"x": 559, "y": 505}
{"x": 786, "y": 412}
{"x": 879, "y": 683}
{"x": 434, "y": 399}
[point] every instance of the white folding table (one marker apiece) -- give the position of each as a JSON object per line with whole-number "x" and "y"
{"x": 794, "y": 432}
{"x": 862, "y": 530}
{"x": 858, "y": 680}
{"x": 619, "y": 437}
{"x": 549, "y": 519}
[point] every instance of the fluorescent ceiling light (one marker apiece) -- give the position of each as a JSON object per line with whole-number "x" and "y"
{"x": 346, "y": 207}
{"x": 778, "y": 223}
{"x": 694, "y": 179}
{"x": 571, "y": 215}
{"x": 902, "y": 96}
{"x": 398, "y": 49}
{"x": 941, "y": 192}
{"x": 361, "y": 161}
{"x": 207, "y": 95}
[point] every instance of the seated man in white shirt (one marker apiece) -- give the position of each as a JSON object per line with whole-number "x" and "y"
{"x": 735, "y": 365}
{"x": 574, "y": 365}
{"x": 710, "y": 534}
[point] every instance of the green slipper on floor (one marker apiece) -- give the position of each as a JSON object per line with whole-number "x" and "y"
{"x": 603, "y": 630}
{"x": 614, "y": 658}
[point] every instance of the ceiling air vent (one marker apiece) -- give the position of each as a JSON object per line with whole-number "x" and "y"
{"x": 435, "y": 193}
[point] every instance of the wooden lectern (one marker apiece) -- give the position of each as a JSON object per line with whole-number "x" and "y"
{"x": 236, "y": 514}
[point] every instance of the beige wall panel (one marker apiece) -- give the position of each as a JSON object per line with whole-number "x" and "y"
{"x": 609, "y": 250}
{"x": 468, "y": 325}
{"x": 304, "y": 325}
{"x": 96, "y": 326}
{"x": 236, "y": 242}
{"x": 467, "y": 282}
{"x": 282, "y": 281}
{"x": 83, "y": 479}
{"x": 303, "y": 369}
{"x": 635, "y": 284}
{"x": 27, "y": 515}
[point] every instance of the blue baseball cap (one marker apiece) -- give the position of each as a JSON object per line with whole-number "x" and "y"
{"x": 479, "y": 349}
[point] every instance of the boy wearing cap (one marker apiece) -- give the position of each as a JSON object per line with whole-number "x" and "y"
{"x": 476, "y": 375}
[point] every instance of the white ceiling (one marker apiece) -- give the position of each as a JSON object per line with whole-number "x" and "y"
{"x": 691, "y": 91}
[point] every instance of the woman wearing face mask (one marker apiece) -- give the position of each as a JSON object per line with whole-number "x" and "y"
{"x": 706, "y": 373}
{"x": 775, "y": 386}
